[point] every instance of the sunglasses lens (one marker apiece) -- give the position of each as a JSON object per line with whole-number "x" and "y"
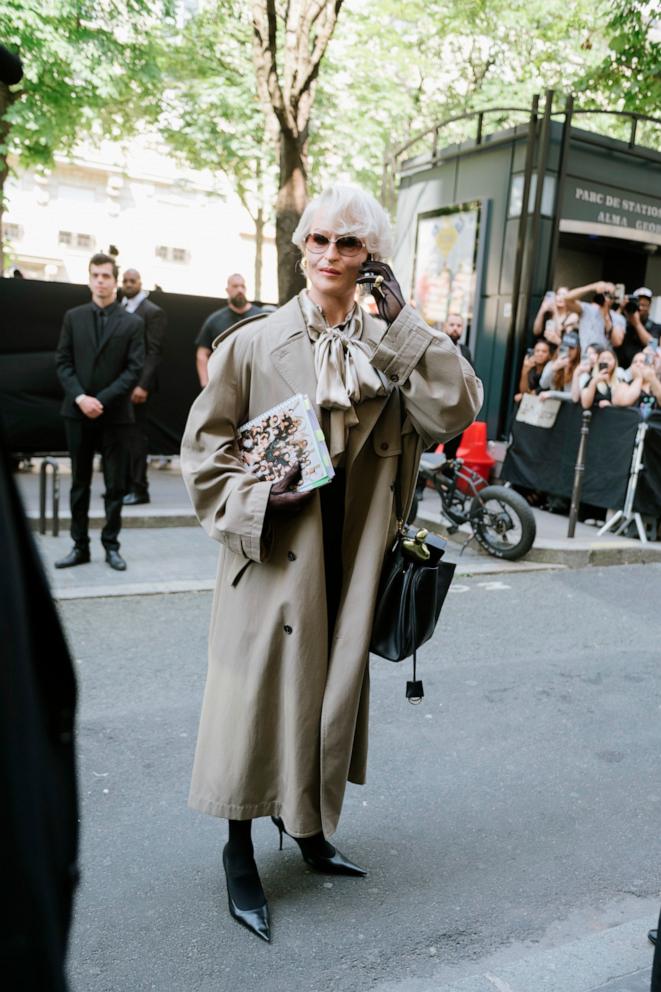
{"x": 317, "y": 242}
{"x": 349, "y": 245}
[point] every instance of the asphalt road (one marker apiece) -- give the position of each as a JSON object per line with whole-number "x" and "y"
{"x": 513, "y": 812}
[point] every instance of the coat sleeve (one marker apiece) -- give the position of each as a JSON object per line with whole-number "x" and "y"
{"x": 64, "y": 361}
{"x": 155, "y": 327}
{"x": 130, "y": 374}
{"x": 230, "y": 503}
{"x": 440, "y": 391}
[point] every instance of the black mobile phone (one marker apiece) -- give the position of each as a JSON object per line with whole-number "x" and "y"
{"x": 603, "y": 366}
{"x": 530, "y": 352}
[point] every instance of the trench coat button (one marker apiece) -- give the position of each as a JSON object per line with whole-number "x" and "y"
{"x": 287, "y": 629}
{"x": 385, "y": 446}
{"x": 394, "y": 377}
{"x": 291, "y": 556}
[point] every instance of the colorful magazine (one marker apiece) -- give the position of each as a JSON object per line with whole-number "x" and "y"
{"x": 282, "y": 436}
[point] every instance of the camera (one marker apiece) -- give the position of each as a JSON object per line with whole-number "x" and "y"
{"x": 603, "y": 366}
{"x": 599, "y": 299}
{"x": 632, "y": 306}
{"x": 530, "y": 352}
{"x": 649, "y": 360}
{"x": 563, "y": 350}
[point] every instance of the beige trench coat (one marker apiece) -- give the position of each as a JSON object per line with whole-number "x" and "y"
{"x": 284, "y": 725}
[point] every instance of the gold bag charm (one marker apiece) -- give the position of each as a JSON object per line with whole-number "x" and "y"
{"x": 417, "y": 547}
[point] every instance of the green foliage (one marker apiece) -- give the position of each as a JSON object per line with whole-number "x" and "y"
{"x": 90, "y": 68}
{"x": 211, "y": 116}
{"x": 629, "y": 76}
{"x": 391, "y": 74}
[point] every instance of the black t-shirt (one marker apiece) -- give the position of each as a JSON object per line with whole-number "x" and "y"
{"x": 603, "y": 393}
{"x": 647, "y": 403}
{"x": 219, "y": 321}
{"x": 632, "y": 343}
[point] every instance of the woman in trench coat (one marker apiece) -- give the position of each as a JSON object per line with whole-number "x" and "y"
{"x": 284, "y": 716}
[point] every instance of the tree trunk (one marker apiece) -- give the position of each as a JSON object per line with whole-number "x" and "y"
{"x": 290, "y": 204}
{"x": 259, "y": 251}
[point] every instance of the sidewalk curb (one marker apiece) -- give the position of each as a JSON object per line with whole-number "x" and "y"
{"x": 590, "y": 964}
{"x": 134, "y": 589}
{"x": 582, "y": 554}
{"x": 151, "y": 518}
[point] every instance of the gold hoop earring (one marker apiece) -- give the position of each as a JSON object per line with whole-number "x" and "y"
{"x": 304, "y": 265}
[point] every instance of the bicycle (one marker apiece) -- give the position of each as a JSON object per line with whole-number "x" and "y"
{"x": 500, "y": 519}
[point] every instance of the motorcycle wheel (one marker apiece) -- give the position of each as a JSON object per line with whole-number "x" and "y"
{"x": 503, "y": 522}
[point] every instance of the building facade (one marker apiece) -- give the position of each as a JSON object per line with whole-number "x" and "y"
{"x": 178, "y": 227}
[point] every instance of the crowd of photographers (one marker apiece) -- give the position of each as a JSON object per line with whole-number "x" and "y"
{"x": 599, "y": 353}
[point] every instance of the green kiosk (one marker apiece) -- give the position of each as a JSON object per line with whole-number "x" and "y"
{"x": 465, "y": 244}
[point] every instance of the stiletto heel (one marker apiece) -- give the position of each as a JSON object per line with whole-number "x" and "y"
{"x": 277, "y": 822}
{"x": 333, "y": 864}
{"x": 257, "y": 920}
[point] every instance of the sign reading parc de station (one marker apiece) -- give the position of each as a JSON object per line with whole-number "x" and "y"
{"x": 590, "y": 208}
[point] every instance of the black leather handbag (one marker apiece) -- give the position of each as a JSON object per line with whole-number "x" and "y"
{"x": 412, "y": 589}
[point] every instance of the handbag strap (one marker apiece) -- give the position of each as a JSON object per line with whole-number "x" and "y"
{"x": 414, "y": 689}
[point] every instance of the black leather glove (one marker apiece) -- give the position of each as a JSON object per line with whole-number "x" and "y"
{"x": 284, "y": 500}
{"x": 384, "y": 288}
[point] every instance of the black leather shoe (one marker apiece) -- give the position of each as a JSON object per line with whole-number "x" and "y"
{"x": 132, "y": 499}
{"x": 334, "y": 864}
{"x": 115, "y": 560}
{"x": 77, "y": 556}
{"x": 652, "y": 936}
{"x": 257, "y": 920}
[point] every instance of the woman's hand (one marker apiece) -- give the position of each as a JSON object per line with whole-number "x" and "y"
{"x": 284, "y": 500}
{"x": 384, "y": 288}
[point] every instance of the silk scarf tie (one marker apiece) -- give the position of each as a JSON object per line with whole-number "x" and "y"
{"x": 345, "y": 376}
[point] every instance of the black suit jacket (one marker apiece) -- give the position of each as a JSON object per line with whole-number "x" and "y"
{"x": 155, "y": 322}
{"x": 108, "y": 372}
{"x": 466, "y": 352}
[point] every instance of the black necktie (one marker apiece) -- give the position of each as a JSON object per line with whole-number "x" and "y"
{"x": 101, "y": 318}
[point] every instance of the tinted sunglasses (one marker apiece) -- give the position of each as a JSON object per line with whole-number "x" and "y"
{"x": 348, "y": 244}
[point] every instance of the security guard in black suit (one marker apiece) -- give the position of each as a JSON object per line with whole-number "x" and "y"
{"x": 99, "y": 359}
{"x": 135, "y": 300}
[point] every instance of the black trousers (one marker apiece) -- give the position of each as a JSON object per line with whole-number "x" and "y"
{"x": 84, "y": 438}
{"x": 138, "y": 451}
{"x": 332, "y": 518}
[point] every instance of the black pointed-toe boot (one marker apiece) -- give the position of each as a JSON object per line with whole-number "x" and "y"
{"x": 320, "y": 855}
{"x": 245, "y": 895}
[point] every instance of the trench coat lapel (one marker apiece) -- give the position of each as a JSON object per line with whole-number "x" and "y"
{"x": 292, "y": 361}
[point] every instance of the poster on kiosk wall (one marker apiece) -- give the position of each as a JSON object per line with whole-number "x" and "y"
{"x": 444, "y": 267}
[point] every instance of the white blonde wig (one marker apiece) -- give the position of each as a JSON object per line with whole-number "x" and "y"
{"x": 348, "y": 210}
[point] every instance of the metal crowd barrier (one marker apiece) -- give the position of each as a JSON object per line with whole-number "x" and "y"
{"x": 43, "y": 486}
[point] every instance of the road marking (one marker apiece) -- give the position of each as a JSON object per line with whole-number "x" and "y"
{"x": 488, "y": 586}
{"x": 499, "y": 984}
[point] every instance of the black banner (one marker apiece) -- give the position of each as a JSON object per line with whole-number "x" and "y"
{"x": 30, "y": 394}
{"x": 544, "y": 459}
